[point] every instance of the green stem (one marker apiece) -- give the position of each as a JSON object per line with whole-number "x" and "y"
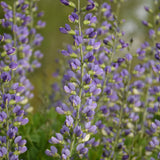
{"x": 14, "y": 23}
{"x": 31, "y": 13}
{"x": 6, "y": 106}
{"x": 112, "y": 55}
{"x": 14, "y": 37}
{"x": 133, "y": 142}
{"x": 118, "y": 134}
{"x": 144, "y": 112}
{"x": 144, "y": 118}
{"x": 110, "y": 61}
{"x": 81, "y": 81}
{"x": 32, "y": 22}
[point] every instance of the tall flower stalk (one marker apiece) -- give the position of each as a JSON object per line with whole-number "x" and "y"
{"x": 80, "y": 87}
{"x": 81, "y": 81}
{"x": 14, "y": 86}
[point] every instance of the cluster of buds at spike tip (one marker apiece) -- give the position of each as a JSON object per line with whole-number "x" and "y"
{"x": 109, "y": 102}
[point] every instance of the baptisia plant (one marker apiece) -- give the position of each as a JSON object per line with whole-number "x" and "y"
{"x": 17, "y": 57}
{"x": 75, "y": 137}
{"x": 137, "y": 104}
{"x": 91, "y": 59}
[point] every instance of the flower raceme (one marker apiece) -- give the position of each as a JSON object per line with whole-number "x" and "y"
{"x": 17, "y": 50}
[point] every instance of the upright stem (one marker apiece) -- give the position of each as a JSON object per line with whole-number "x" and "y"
{"x": 144, "y": 114}
{"x": 31, "y": 13}
{"x": 14, "y": 23}
{"x": 144, "y": 117}
{"x": 118, "y": 134}
{"x": 32, "y": 22}
{"x": 112, "y": 55}
{"x": 81, "y": 80}
{"x": 6, "y": 106}
{"x": 133, "y": 142}
{"x": 14, "y": 33}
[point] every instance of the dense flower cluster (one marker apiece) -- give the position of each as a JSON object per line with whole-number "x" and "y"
{"x": 111, "y": 97}
{"x": 18, "y": 56}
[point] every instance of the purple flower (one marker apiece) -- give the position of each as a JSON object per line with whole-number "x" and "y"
{"x": 82, "y": 149}
{"x": 90, "y": 6}
{"x": 151, "y": 33}
{"x": 40, "y": 14}
{"x": 22, "y": 149}
{"x": 73, "y": 17}
{"x": 66, "y": 29}
{"x": 13, "y": 65}
{"x": 4, "y": 5}
{"x": 87, "y": 79}
{"x": 11, "y": 51}
{"x": 158, "y": 155}
{"x": 128, "y": 57}
{"x": 154, "y": 142}
{"x": 3, "y": 151}
{"x": 89, "y": 17}
{"x": 89, "y": 57}
{"x": 75, "y": 64}
{"x": 65, "y": 2}
{"x": 5, "y": 76}
{"x": 158, "y": 45}
{"x": 90, "y": 128}
{"x": 145, "y": 23}
{"x": 123, "y": 44}
{"x": 41, "y": 24}
{"x": 157, "y": 56}
{"x": 78, "y": 40}
{"x": 91, "y": 32}
{"x": 69, "y": 88}
{"x": 75, "y": 100}
{"x": 3, "y": 116}
{"x": 65, "y": 153}
{"x": 78, "y": 131}
{"x": 52, "y": 151}
{"x": 69, "y": 121}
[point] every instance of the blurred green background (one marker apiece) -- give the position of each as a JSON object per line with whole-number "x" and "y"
{"x": 55, "y": 16}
